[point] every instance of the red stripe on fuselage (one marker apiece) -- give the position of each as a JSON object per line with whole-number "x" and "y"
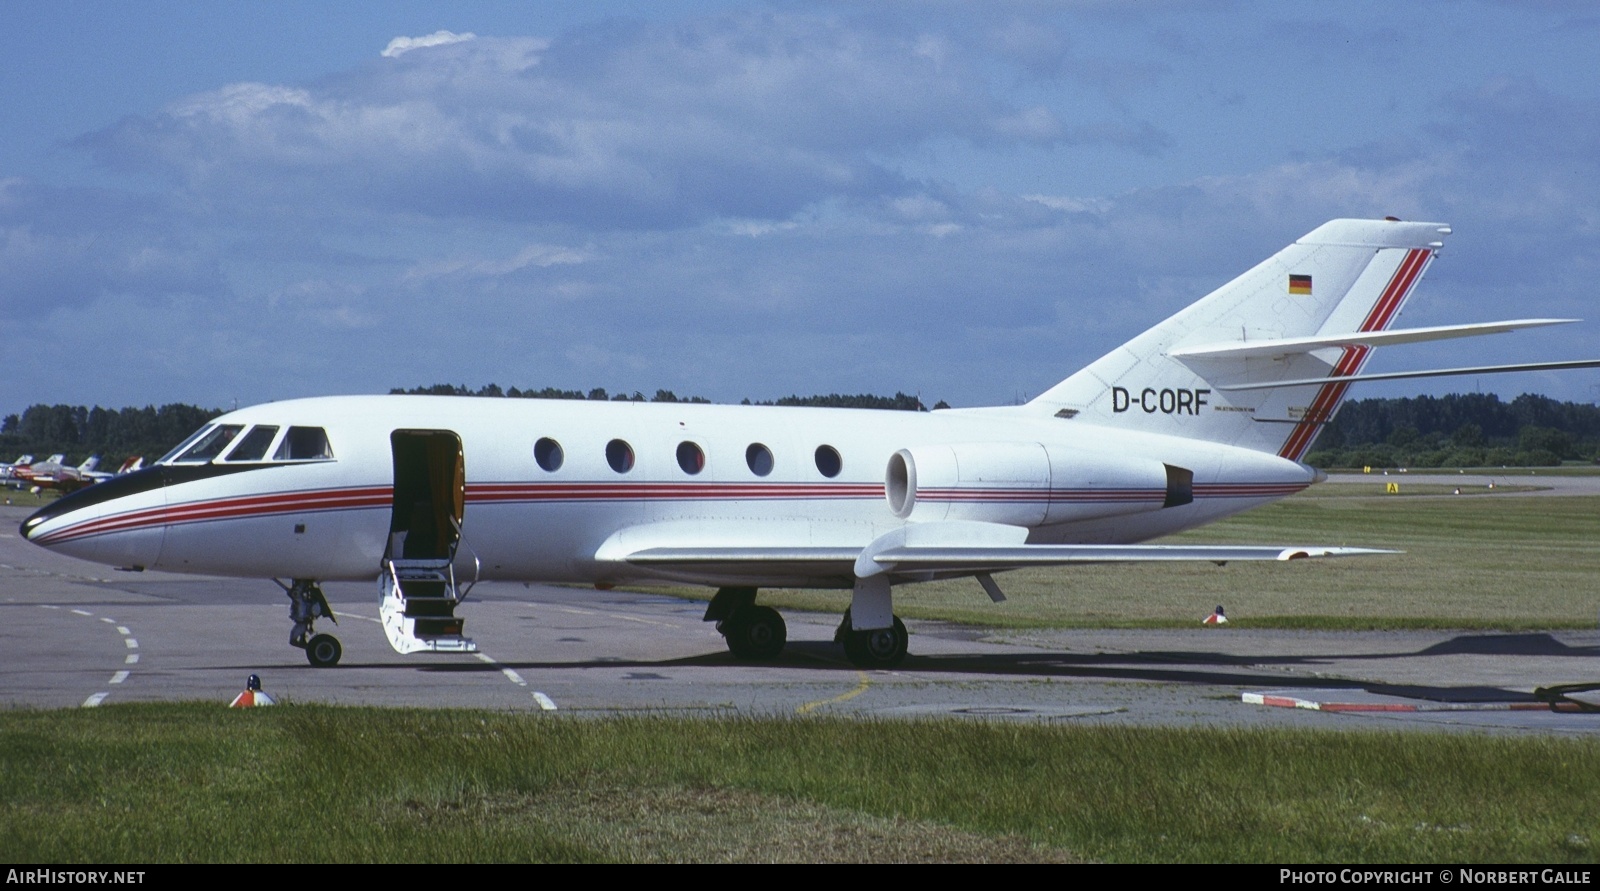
{"x": 381, "y": 497}
{"x": 320, "y": 500}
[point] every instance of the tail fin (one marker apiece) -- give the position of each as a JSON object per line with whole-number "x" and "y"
{"x": 1288, "y": 319}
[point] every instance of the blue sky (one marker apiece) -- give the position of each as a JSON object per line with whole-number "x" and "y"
{"x": 233, "y": 203}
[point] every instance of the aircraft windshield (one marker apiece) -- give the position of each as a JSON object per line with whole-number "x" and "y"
{"x": 183, "y": 446}
{"x": 223, "y": 442}
{"x": 210, "y": 445}
{"x": 253, "y": 445}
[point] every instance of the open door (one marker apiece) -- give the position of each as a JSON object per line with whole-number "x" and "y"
{"x": 429, "y": 495}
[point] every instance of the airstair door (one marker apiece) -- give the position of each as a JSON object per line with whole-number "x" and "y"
{"x": 417, "y": 586}
{"x": 429, "y": 494}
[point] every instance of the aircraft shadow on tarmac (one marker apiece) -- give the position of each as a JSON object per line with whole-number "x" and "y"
{"x": 1157, "y": 666}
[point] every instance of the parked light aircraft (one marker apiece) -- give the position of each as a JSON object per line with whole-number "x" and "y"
{"x": 55, "y": 474}
{"x": 128, "y": 465}
{"x": 23, "y": 474}
{"x": 8, "y": 471}
{"x": 1205, "y": 415}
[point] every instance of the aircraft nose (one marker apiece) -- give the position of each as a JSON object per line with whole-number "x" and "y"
{"x": 30, "y": 526}
{"x": 117, "y": 522}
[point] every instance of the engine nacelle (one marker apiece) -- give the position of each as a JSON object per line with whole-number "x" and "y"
{"x": 1027, "y": 483}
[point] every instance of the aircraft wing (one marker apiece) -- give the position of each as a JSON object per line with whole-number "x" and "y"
{"x": 952, "y": 560}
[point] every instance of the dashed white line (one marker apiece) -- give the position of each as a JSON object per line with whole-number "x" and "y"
{"x": 128, "y": 640}
{"x": 623, "y": 617}
{"x": 544, "y": 702}
{"x": 512, "y": 676}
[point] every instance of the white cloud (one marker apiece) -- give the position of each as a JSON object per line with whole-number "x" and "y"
{"x": 533, "y": 256}
{"x": 401, "y": 45}
{"x": 751, "y": 117}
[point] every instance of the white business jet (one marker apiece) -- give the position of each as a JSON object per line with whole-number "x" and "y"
{"x": 1205, "y": 415}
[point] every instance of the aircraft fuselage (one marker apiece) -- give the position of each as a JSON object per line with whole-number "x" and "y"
{"x": 637, "y": 475}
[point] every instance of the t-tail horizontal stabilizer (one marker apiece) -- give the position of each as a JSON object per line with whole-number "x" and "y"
{"x": 1265, "y": 361}
{"x": 1432, "y": 372}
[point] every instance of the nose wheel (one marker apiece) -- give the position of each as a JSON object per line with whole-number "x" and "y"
{"x": 307, "y": 604}
{"x": 323, "y": 651}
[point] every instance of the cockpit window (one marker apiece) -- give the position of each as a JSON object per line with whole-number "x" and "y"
{"x": 253, "y": 445}
{"x": 210, "y": 445}
{"x": 183, "y": 446}
{"x": 304, "y": 444}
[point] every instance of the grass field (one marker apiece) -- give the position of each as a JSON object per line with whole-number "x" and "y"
{"x": 191, "y": 783}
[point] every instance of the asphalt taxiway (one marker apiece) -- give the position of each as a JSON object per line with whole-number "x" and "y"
{"x": 75, "y": 634}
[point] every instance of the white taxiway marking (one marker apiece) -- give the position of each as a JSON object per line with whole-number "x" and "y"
{"x": 545, "y": 702}
{"x": 131, "y": 642}
{"x": 510, "y": 675}
{"x": 625, "y": 618}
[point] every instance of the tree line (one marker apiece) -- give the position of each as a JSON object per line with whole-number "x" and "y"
{"x": 114, "y": 434}
{"x": 1459, "y": 430}
{"x": 898, "y": 402}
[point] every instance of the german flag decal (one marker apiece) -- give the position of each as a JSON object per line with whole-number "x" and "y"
{"x": 1300, "y": 284}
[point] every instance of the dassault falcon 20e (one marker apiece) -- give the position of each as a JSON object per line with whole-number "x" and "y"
{"x": 1205, "y": 415}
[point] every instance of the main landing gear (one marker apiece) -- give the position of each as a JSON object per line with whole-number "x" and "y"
{"x": 758, "y": 634}
{"x": 877, "y": 648}
{"x": 306, "y": 605}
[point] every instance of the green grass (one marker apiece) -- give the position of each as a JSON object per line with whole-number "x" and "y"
{"x": 186, "y": 783}
{"x": 1480, "y": 563}
{"x": 24, "y": 498}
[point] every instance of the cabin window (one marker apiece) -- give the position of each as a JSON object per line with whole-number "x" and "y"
{"x": 304, "y": 444}
{"x": 759, "y": 457}
{"x": 691, "y": 458}
{"x": 211, "y": 444}
{"x": 548, "y": 453}
{"x": 828, "y": 461}
{"x": 619, "y": 455}
{"x": 253, "y": 445}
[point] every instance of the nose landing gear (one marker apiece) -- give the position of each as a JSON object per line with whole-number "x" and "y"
{"x": 307, "y": 604}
